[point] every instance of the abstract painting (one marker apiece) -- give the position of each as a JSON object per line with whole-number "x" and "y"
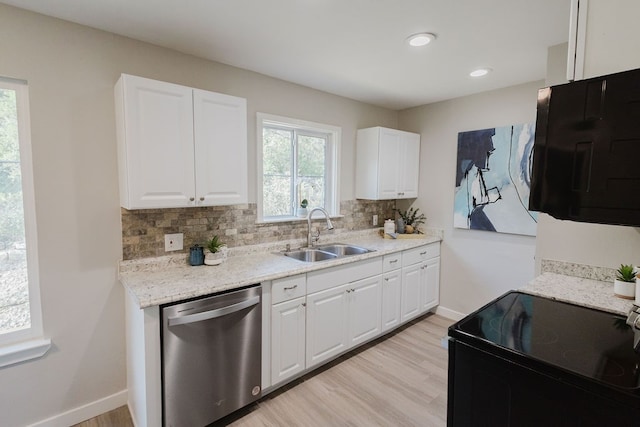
{"x": 493, "y": 177}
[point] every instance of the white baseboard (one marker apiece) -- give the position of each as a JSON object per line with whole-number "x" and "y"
{"x": 85, "y": 412}
{"x": 449, "y": 314}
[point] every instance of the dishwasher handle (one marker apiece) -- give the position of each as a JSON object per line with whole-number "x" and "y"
{"x": 212, "y": 314}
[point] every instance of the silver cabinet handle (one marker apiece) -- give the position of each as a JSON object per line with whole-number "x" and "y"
{"x": 304, "y": 304}
{"x": 290, "y": 287}
{"x": 386, "y": 279}
{"x": 393, "y": 261}
{"x": 212, "y": 314}
{"x": 191, "y": 199}
{"x": 423, "y": 253}
{"x": 202, "y": 199}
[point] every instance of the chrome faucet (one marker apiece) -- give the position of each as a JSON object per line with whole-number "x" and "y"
{"x": 312, "y": 239}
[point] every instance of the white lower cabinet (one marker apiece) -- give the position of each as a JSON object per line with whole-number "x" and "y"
{"x": 327, "y": 314}
{"x": 420, "y": 280}
{"x": 411, "y": 284}
{"x": 342, "y": 317}
{"x": 391, "y": 298}
{"x": 317, "y": 316}
{"x": 430, "y": 296}
{"x": 287, "y": 339}
{"x": 288, "y": 327}
{"x": 365, "y": 298}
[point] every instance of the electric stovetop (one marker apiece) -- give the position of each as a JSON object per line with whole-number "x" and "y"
{"x": 590, "y": 343}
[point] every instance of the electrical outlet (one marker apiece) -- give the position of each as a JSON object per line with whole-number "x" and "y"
{"x": 375, "y": 220}
{"x": 173, "y": 242}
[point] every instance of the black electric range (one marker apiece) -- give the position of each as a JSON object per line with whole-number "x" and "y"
{"x": 528, "y": 360}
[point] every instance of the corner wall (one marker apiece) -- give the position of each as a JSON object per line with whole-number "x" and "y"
{"x": 476, "y": 266}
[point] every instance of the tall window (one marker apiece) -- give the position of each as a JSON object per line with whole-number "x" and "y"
{"x": 297, "y": 161}
{"x": 20, "y": 315}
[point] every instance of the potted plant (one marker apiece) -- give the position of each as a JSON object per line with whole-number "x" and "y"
{"x": 302, "y": 210}
{"x": 409, "y": 221}
{"x": 624, "y": 285}
{"x": 217, "y": 251}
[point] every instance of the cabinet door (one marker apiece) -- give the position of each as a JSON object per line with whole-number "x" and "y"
{"x": 365, "y": 298}
{"x": 220, "y": 123}
{"x": 430, "y": 284}
{"x": 327, "y": 332}
{"x": 155, "y": 143}
{"x": 391, "y": 295}
{"x": 411, "y": 287}
{"x": 408, "y": 169}
{"x": 388, "y": 161}
{"x": 287, "y": 339}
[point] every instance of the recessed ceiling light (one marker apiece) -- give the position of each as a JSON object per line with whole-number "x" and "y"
{"x": 421, "y": 39}
{"x": 480, "y": 72}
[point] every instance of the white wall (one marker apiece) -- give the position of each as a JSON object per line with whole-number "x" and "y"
{"x": 71, "y": 72}
{"x": 476, "y": 266}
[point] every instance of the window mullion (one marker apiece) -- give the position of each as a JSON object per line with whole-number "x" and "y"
{"x": 294, "y": 171}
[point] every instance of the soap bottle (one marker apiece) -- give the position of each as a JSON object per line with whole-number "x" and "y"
{"x": 389, "y": 226}
{"x": 196, "y": 255}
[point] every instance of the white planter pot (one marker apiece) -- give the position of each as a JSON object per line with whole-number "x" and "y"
{"x": 303, "y": 212}
{"x": 625, "y": 290}
{"x": 217, "y": 258}
{"x": 637, "y": 291}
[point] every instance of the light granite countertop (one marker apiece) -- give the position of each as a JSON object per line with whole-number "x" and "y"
{"x": 578, "y": 290}
{"x": 161, "y": 280}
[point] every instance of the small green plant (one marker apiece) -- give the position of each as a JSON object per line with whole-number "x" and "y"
{"x": 214, "y": 244}
{"x": 626, "y": 273}
{"x": 304, "y": 203}
{"x": 411, "y": 217}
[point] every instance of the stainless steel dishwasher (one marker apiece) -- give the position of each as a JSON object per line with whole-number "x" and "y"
{"x": 211, "y": 356}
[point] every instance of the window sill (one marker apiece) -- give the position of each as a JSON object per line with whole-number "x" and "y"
{"x": 23, "y": 351}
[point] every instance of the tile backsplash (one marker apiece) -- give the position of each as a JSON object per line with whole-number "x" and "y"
{"x": 143, "y": 230}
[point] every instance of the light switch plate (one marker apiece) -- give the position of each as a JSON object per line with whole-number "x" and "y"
{"x": 375, "y": 220}
{"x": 173, "y": 242}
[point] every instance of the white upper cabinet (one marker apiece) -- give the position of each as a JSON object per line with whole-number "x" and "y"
{"x": 387, "y": 162}
{"x": 178, "y": 146}
{"x": 603, "y": 39}
{"x": 220, "y": 123}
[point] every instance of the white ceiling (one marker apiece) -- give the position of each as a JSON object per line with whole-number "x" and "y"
{"x": 353, "y": 48}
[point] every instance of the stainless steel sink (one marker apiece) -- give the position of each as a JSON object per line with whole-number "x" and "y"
{"x": 326, "y": 252}
{"x": 310, "y": 255}
{"x": 342, "y": 249}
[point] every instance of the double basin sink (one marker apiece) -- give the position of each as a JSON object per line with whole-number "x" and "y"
{"x": 326, "y": 252}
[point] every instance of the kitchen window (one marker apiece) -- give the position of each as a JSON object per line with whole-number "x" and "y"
{"x": 297, "y": 161}
{"x": 20, "y": 312}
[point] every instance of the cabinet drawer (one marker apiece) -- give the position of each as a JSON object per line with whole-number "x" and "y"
{"x": 288, "y": 288}
{"x": 391, "y": 262}
{"x": 347, "y": 273}
{"x": 421, "y": 253}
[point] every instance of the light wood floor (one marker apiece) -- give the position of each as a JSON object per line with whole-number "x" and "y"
{"x": 398, "y": 380}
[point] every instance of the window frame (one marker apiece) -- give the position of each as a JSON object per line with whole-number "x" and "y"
{"x": 28, "y": 343}
{"x": 332, "y": 162}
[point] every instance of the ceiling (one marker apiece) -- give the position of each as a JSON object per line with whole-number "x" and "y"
{"x": 352, "y": 48}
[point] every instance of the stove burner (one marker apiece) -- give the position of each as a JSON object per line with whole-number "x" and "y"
{"x": 605, "y": 368}
{"x": 509, "y": 330}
